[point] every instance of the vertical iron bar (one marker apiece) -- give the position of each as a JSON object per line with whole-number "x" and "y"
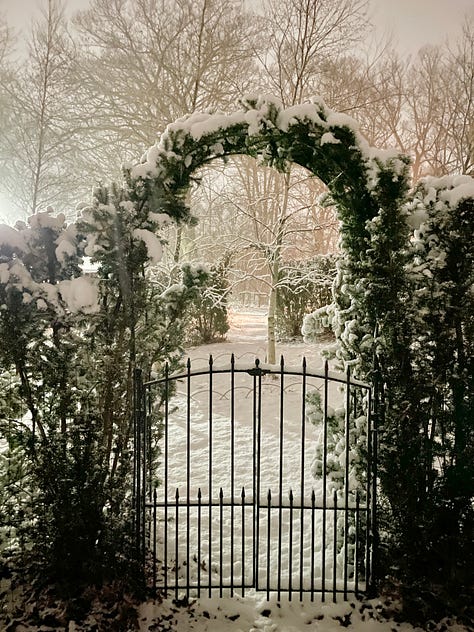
{"x": 150, "y": 446}
{"x": 221, "y": 539}
{"x": 346, "y": 477}
{"x": 144, "y": 438}
{"x": 135, "y": 448}
{"x": 313, "y": 503}
{"x": 188, "y": 471}
{"x": 356, "y": 546}
{"x": 290, "y": 548}
{"x": 176, "y": 545}
{"x": 139, "y": 462}
{"x": 325, "y": 464}
{"x": 303, "y": 442}
{"x": 166, "y": 476}
{"x": 373, "y": 577}
{"x": 280, "y": 479}
{"x": 368, "y": 493}
{"x": 149, "y": 481}
{"x": 136, "y": 462}
{"x": 269, "y": 520}
{"x": 334, "y": 553}
{"x": 243, "y": 541}
{"x": 379, "y": 421}
{"x": 254, "y": 469}
{"x": 154, "y": 541}
{"x": 232, "y": 469}
{"x": 199, "y": 526}
{"x": 210, "y": 473}
{"x": 257, "y": 496}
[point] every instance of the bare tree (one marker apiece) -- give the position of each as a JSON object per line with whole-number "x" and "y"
{"x": 302, "y": 36}
{"x": 424, "y": 106}
{"x": 40, "y": 144}
{"x": 6, "y": 78}
{"x": 262, "y": 219}
{"x": 458, "y": 84}
{"x": 149, "y": 62}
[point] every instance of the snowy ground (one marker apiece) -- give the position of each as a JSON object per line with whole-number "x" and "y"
{"x": 278, "y": 466}
{"x": 255, "y": 614}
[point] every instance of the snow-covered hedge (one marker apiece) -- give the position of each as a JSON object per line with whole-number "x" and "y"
{"x": 403, "y": 301}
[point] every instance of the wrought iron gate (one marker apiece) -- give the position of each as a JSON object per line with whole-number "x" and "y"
{"x": 255, "y": 485}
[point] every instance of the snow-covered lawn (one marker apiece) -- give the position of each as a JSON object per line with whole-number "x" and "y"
{"x": 255, "y": 614}
{"x": 232, "y": 450}
{"x": 252, "y": 612}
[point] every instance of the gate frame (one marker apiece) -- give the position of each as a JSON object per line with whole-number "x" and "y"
{"x": 141, "y": 453}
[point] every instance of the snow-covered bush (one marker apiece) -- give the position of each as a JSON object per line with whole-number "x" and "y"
{"x": 303, "y": 287}
{"x": 73, "y": 337}
{"x": 206, "y": 320}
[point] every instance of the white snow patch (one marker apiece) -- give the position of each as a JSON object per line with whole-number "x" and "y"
{"x": 152, "y": 243}
{"x": 65, "y": 249}
{"x": 80, "y": 294}
{"x": 11, "y": 237}
{"x": 46, "y": 219}
{"x": 328, "y": 138}
{"x": 461, "y": 192}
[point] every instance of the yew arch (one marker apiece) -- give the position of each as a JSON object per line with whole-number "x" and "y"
{"x": 362, "y": 181}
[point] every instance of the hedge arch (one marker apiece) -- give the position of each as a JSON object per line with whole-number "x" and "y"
{"x": 403, "y": 294}
{"x": 361, "y": 179}
{"x": 366, "y": 185}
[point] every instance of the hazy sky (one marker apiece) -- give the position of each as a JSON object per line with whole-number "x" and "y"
{"x": 413, "y": 22}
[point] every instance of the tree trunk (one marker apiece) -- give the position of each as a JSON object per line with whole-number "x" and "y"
{"x": 275, "y": 272}
{"x": 271, "y": 319}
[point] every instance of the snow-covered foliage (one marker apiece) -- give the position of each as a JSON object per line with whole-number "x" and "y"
{"x": 310, "y": 134}
{"x": 54, "y": 282}
{"x": 402, "y": 310}
{"x": 368, "y": 188}
{"x": 70, "y": 337}
{"x": 402, "y": 296}
{"x": 304, "y": 286}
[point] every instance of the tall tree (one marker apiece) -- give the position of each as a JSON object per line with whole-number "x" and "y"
{"x": 301, "y": 36}
{"x": 149, "y": 62}
{"x": 40, "y": 145}
{"x": 6, "y": 76}
{"x": 459, "y": 95}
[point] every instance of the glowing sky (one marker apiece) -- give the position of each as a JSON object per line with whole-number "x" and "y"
{"x": 412, "y": 22}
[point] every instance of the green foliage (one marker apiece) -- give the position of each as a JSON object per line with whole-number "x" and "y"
{"x": 207, "y": 318}
{"x": 402, "y": 296}
{"x": 434, "y": 464}
{"x": 389, "y": 305}
{"x": 303, "y": 287}
{"x": 16, "y": 494}
{"x": 73, "y": 339}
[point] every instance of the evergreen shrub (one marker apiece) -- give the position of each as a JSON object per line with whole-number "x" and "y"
{"x": 207, "y": 319}
{"x": 303, "y": 287}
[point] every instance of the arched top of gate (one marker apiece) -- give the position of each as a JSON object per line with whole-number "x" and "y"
{"x": 361, "y": 179}
{"x": 257, "y": 368}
